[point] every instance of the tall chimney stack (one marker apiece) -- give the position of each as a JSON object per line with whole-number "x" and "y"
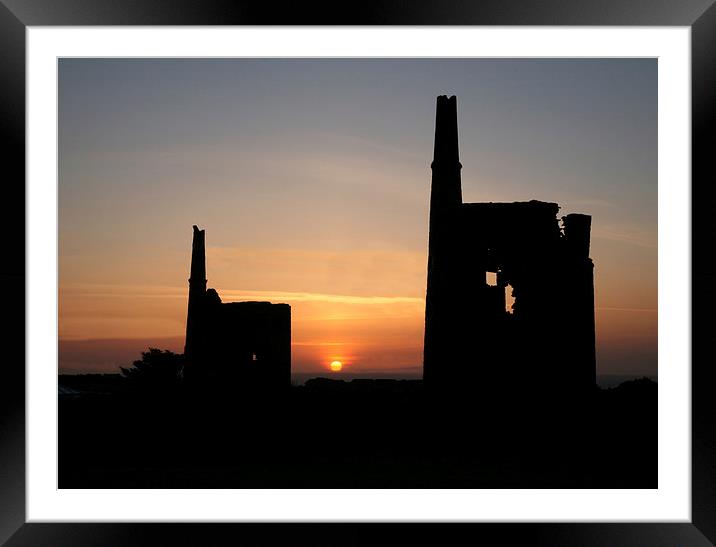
{"x": 446, "y": 188}
{"x": 197, "y": 292}
{"x": 445, "y": 202}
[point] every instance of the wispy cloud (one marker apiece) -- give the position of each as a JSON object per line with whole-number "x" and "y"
{"x": 357, "y": 272}
{"x": 629, "y": 310}
{"x": 631, "y": 236}
{"x": 149, "y": 291}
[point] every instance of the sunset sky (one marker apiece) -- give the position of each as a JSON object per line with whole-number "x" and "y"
{"x": 312, "y": 179}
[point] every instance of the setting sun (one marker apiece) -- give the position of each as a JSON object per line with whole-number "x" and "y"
{"x": 336, "y": 366}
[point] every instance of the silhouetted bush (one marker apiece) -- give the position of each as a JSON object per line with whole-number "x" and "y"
{"x": 156, "y": 370}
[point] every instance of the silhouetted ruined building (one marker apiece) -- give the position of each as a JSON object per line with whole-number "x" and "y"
{"x": 510, "y": 293}
{"x": 249, "y": 342}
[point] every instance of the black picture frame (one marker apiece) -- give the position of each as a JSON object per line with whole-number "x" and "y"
{"x": 16, "y": 15}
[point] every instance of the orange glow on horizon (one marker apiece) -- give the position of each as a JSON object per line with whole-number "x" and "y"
{"x": 336, "y": 366}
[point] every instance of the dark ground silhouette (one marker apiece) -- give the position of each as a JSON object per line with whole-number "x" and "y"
{"x": 357, "y": 434}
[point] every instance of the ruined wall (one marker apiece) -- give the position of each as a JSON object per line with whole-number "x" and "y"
{"x": 250, "y": 342}
{"x": 247, "y": 343}
{"x": 545, "y": 340}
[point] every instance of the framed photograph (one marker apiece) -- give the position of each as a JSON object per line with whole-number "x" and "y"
{"x": 421, "y": 266}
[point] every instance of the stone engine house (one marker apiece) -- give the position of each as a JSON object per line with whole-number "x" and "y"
{"x": 510, "y": 291}
{"x": 249, "y": 342}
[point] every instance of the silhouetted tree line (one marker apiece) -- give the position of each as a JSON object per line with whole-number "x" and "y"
{"x": 157, "y": 370}
{"x": 163, "y": 369}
